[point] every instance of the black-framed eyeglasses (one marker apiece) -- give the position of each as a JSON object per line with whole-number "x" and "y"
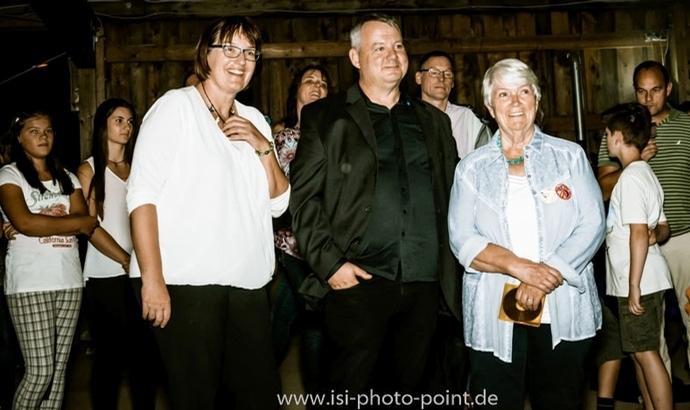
{"x": 435, "y": 73}
{"x": 232, "y": 51}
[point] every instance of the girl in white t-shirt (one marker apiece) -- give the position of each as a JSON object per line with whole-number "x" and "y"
{"x": 121, "y": 338}
{"x": 45, "y": 209}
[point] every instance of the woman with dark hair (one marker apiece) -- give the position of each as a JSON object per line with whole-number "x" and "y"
{"x": 304, "y": 88}
{"x": 204, "y": 186}
{"x": 310, "y": 84}
{"x": 43, "y": 283}
{"x": 120, "y": 337}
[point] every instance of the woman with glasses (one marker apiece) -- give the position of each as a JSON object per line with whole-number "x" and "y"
{"x": 204, "y": 185}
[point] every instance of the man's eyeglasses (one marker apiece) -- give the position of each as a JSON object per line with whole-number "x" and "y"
{"x": 435, "y": 73}
{"x": 232, "y": 51}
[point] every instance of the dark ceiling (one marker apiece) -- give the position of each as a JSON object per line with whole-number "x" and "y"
{"x": 34, "y": 31}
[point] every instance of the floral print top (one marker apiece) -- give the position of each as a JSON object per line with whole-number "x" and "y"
{"x": 286, "y": 145}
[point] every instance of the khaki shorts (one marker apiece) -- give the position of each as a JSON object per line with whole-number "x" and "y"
{"x": 641, "y": 333}
{"x": 608, "y": 341}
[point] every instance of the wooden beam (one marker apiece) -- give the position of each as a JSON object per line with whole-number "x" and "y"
{"x": 216, "y": 8}
{"x": 219, "y": 8}
{"x": 185, "y": 52}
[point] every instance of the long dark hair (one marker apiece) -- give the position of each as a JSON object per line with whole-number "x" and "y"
{"x": 291, "y": 117}
{"x": 99, "y": 147}
{"x": 24, "y": 163}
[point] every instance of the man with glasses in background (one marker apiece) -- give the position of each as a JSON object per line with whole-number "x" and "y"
{"x": 435, "y": 76}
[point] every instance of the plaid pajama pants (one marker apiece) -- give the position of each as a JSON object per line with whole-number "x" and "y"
{"x": 45, "y": 323}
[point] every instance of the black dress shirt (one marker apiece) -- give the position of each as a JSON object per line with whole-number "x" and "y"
{"x": 401, "y": 235}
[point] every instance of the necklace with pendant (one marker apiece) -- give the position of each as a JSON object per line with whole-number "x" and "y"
{"x": 212, "y": 108}
{"x": 510, "y": 161}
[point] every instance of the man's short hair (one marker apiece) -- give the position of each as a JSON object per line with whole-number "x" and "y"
{"x": 436, "y": 53}
{"x": 649, "y": 65}
{"x": 356, "y": 32}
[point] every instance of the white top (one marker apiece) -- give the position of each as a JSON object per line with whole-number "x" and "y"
{"x": 116, "y": 222}
{"x": 521, "y": 212}
{"x": 41, "y": 264}
{"x": 637, "y": 198}
{"x": 211, "y": 195}
{"x": 466, "y": 127}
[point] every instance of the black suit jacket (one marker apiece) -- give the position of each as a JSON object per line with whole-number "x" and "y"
{"x": 333, "y": 179}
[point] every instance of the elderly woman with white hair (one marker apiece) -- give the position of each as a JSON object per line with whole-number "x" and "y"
{"x": 525, "y": 219}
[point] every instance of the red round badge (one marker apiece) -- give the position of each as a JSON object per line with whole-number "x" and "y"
{"x": 563, "y": 191}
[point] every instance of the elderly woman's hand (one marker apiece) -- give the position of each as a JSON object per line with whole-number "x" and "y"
{"x": 237, "y": 128}
{"x": 529, "y": 296}
{"x": 539, "y": 275}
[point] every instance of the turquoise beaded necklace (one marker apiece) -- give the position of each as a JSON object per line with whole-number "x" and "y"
{"x": 510, "y": 161}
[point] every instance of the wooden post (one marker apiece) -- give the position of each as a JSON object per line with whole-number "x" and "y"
{"x": 560, "y": 86}
{"x": 627, "y": 58}
{"x": 83, "y": 83}
{"x": 679, "y": 53}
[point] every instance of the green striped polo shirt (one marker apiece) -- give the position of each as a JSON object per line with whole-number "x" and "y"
{"x": 671, "y": 166}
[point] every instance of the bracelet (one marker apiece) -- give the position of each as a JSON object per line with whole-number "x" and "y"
{"x": 264, "y": 153}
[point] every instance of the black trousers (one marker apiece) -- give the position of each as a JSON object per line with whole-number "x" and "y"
{"x": 121, "y": 340}
{"x": 217, "y": 349}
{"x": 553, "y": 378}
{"x": 290, "y": 307}
{"x": 448, "y": 365}
{"x": 377, "y": 315}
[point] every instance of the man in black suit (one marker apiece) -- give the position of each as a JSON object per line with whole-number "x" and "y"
{"x": 370, "y": 186}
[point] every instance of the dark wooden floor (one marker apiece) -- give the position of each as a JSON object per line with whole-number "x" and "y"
{"x": 77, "y": 389}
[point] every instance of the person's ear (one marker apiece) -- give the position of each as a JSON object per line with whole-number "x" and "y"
{"x": 669, "y": 87}
{"x": 491, "y": 110}
{"x": 418, "y": 78}
{"x": 354, "y": 58}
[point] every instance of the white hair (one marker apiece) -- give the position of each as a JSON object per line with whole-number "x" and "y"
{"x": 356, "y": 32}
{"x": 510, "y": 71}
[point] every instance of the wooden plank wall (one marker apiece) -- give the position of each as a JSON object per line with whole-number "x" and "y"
{"x": 607, "y": 72}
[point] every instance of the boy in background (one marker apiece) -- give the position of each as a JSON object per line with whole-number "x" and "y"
{"x": 636, "y": 272}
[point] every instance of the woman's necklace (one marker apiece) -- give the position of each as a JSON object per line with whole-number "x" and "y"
{"x": 510, "y": 161}
{"x": 212, "y": 108}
